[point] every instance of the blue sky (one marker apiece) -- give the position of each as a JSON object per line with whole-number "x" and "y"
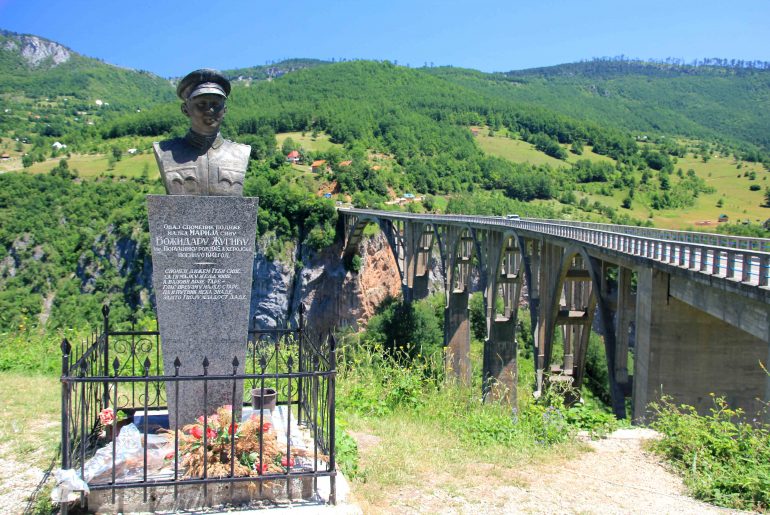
{"x": 171, "y": 38}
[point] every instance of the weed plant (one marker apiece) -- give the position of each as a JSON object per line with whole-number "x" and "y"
{"x": 725, "y": 460}
{"x": 374, "y": 383}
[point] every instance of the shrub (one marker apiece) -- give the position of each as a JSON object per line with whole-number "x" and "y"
{"x": 724, "y": 459}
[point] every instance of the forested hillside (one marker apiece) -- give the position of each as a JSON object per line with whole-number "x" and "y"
{"x": 542, "y": 143}
{"x": 725, "y": 101}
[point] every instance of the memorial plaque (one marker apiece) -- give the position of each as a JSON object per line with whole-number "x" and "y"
{"x": 202, "y": 258}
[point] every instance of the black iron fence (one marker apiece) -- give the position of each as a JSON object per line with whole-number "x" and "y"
{"x": 115, "y": 378}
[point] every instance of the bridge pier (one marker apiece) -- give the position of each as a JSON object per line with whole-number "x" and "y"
{"x": 502, "y": 292}
{"x": 689, "y": 354}
{"x": 457, "y": 328}
{"x": 418, "y": 238}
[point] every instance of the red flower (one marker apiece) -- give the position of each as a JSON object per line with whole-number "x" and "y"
{"x": 169, "y": 456}
{"x": 106, "y": 416}
{"x": 261, "y": 469}
{"x": 232, "y": 429}
{"x": 286, "y": 462}
{"x": 197, "y": 432}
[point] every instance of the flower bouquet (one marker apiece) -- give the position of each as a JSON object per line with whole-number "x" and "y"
{"x": 216, "y": 437}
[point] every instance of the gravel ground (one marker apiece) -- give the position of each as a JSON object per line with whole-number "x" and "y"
{"x": 18, "y": 482}
{"x": 617, "y": 477}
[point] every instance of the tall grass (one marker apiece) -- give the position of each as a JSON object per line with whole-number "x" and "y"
{"x": 724, "y": 459}
{"x": 376, "y": 385}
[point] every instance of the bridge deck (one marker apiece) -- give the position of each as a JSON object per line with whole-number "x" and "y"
{"x": 733, "y": 263}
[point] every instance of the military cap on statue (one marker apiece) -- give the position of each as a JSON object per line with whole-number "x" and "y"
{"x": 201, "y": 82}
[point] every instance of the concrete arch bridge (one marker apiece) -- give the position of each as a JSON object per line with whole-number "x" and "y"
{"x": 694, "y": 306}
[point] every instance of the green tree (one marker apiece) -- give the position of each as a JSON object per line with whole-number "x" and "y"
{"x": 577, "y": 148}
{"x": 288, "y": 145}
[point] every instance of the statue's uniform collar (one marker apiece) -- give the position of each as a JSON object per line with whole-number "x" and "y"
{"x": 202, "y": 142}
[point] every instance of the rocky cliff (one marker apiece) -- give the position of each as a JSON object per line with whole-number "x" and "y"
{"x": 34, "y": 50}
{"x": 331, "y": 295}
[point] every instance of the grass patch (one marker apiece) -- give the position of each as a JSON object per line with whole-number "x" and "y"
{"x": 320, "y": 143}
{"x": 516, "y": 150}
{"x": 520, "y": 151}
{"x": 90, "y": 166}
{"x": 722, "y": 173}
{"x": 723, "y": 459}
{"x": 424, "y": 430}
{"x": 30, "y": 351}
{"x": 30, "y": 421}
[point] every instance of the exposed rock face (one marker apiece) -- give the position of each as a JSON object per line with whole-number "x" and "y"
{"x": 270, "y": 290}
{"x": 332, "y": 296}
{"x": 335, "y": 297}
{"x": 15, "y": 257}
{"x": 36, "y": 50}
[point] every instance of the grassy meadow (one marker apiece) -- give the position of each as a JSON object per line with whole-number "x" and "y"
{"x": 319, "y": 143}
{"x": 520, "y": 151}
{"x": 730, "y": 178}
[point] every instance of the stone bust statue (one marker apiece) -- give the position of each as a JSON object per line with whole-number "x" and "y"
{"x": 202, "y": 162}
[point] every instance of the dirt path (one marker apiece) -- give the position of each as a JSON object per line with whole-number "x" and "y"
{"x": 617, "y": 477}
{"x": 17, "y": 484}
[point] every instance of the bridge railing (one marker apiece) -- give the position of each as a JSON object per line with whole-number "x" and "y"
{"x": 735, "y": 258}
{"x": 706, "y": 238}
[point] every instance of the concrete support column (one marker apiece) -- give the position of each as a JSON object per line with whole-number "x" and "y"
{"x": 624, "y": 315}
{"x": 457, "y": 334}
{"x": 548, "y": 266}
{"x": 458, "y": 255}
{"x": 503, "y": 285}
{"x": 686, "y": 353}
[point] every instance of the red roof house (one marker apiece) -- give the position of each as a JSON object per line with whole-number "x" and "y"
{"x": 293, "y": 156}
{"x": 319, "y": 166}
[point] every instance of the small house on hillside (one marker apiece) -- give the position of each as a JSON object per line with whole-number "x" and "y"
{"x": 474, "y": 131}
{"x": 58, "y": 146}
{"x": 5, "y": 155}
{"x": 319, "y": 166}
{"x": 293, "y": 157}
{"x": 345, "y": 164}
{"x": 724, "y": 218}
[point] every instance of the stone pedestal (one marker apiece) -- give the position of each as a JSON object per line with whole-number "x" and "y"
{"x": 202, "y": 257}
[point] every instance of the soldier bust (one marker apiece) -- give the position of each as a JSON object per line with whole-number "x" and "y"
{"x": 202, "y": 162}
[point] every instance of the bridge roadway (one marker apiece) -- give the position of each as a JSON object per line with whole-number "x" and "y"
{"x": 693, "y": 308}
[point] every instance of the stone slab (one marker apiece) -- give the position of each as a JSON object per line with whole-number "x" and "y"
{"x": 202, "y": 257}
